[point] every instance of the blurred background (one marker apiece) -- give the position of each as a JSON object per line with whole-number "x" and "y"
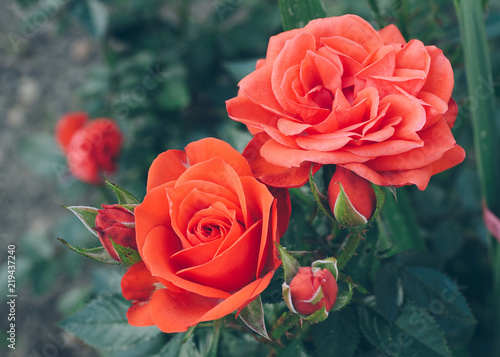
{"x": 163, "y": 70}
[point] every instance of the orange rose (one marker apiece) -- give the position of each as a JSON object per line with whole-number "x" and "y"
{"x": 206, "y": 232}
{"x": 339, "y": 92}
{"x": 91, "y": 147}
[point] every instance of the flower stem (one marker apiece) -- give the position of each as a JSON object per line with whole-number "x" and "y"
{"x": 349, "y": 247}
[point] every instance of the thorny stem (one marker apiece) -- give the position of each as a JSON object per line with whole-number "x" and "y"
{"x": 349, "y": 247}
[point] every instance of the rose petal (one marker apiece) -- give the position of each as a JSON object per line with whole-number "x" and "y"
{"x": 275, "y": 175}
{"x": 391, "y": 34}
{"x": 440, "y": 79}
{"x": 278, "y": 154}
{"x": 161, "y": 244}
{"x": 419, "y": 177}
{"x": 437, "y": 140}
{"x": 149, "y": 216}
{"x": 176, "y": 312}
{"x": 208, "y": 148}
{"x": 167, "y": 166}
{"x": 233, "y": 268}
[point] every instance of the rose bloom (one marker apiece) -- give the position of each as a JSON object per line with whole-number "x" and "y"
{"x": 206, "y": 232}
{"x": 91, "y": 147}
{"x": 339, "y": 92}
{"x": 117, "y": 223}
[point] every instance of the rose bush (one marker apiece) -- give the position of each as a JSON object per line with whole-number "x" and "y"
{"x": 206, "y": 232}
{"x": 117, "y": 223}
{"x": 91, "y": 147}
{"x": 339, "y": 92}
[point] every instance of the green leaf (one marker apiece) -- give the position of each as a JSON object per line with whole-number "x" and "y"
{"x": 343, "y": 297}
{"x": 297, "y": 13}
{"x": 231, "y": 345}
{"x": 173, "y": 346}
{"x": 253, "y": 316}
{"x": 397, "y": 227}
{"x": 87, "y": 215}
{"x": 436, "y": 292}
{"x": 481, "y": 91}
{"x": 388, "y": 291}
{"x": 100, "y": 254}
{"x": 414, "y": 334}
{"x": 337, "y": 336}
{"x": 294, "y": 349}
{"x": 128, "y": 256}
{"x": 124, "y": 197}
{"x": 103, "y": 324}
{"x": 290, "y": 264}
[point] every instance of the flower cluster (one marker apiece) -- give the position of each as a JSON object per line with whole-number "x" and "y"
{"x": 374, "y": 107}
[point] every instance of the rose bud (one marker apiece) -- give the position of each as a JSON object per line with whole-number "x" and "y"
{"x": 351, "y": 198}
{"x": 117, "y": 223}
{"x": 311, "y": 290}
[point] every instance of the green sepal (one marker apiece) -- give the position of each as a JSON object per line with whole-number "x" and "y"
{"x": 100, "y": 254}
{"x": 123, "y": 196}
{"x": 380, "y": 196}
{"x": 320, "y": 199}
{"x": 85, "y": 214}
{"x": 253, "y": 316}
{"x": 343, "y": 298}
{"x": 129, "y": 207}
{"x": 318, "y": 316}
{"x": 128, "y": 256}
{"x": 345, "y": 213}
{"x": 290, "y": 264}
{"x": 329, "y": 264}
{"x": 287, "y": 297}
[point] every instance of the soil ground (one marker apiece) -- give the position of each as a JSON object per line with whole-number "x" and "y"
{"x": 40, "y": 69}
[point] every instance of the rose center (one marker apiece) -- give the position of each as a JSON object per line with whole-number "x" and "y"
{"x": 321, "y": 96}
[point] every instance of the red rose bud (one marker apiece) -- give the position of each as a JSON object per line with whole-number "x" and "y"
{"x": 311, "y": 290}
{"x": 351, "y": 198}
{"x": 117, "y": 223}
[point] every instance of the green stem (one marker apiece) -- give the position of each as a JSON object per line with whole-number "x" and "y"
{"x": 349, "y": 247}
{"x": 214, "y": 345}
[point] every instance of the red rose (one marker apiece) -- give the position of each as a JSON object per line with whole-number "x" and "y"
{"x": 117, "y": 223}
{"x": 359, "y": 193}
{"x": 91, "y": 147}
{"x": 339, "y": 92}
{"x": 311, "y": 290}
{"x": 206, "y": 232}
